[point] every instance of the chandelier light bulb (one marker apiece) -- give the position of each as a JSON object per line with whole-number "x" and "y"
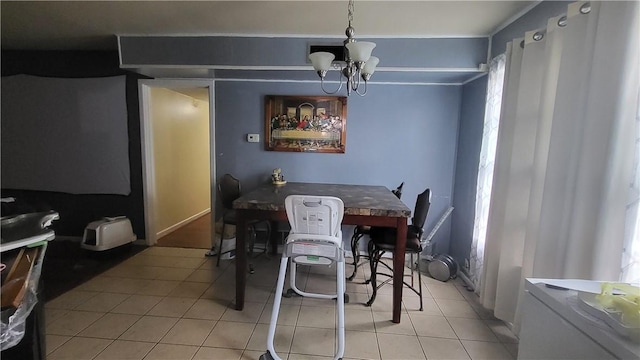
{"x": 321, "y": 60}
{"x": 360, "y": 51}
{"x": 370, "y": 66}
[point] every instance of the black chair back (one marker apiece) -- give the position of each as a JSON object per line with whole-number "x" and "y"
{"x": 398, "y": 191}
{"x": 229, "y": 190}
{"x": 422, "y": 208}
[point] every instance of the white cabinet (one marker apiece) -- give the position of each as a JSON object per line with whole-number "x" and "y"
{"x": 554, "y": 327}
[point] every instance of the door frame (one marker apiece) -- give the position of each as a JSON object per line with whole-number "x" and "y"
{"x": 146, "y": 137}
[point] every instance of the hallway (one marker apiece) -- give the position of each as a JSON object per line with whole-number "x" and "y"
{"x": 196, "y": 235}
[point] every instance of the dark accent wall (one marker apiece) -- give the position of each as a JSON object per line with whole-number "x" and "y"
{"x": 395, "y": 133}
{"x": 76, "y": 211}
{"x": 469, "y": 145}
{"x": 282, "y": 51}
{"x": 286, "y": 58}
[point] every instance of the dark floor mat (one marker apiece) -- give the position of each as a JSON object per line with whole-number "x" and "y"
{"x": 66, "y": 265}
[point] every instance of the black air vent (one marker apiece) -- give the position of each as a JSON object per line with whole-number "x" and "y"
{"x": 337, "y": 50}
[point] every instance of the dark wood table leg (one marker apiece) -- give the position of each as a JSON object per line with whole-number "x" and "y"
{"x": 241, "y": 259}
{"x": 398, "y": 267}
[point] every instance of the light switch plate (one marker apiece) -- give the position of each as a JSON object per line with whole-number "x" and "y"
{"x": 253, "y": 138}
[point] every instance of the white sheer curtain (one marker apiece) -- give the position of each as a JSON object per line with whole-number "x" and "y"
{"x": 630, "y": 272}
{"x": 565, "y": 151}
{"x": 485, "y": 166}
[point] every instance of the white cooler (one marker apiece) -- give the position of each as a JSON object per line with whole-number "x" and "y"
{"x": 108, "y": 233}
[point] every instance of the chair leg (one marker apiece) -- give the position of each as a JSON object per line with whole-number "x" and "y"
{"x": 341, "y": 292}
{"x": 268, "y": 239}
{"x": 375, "y": 255}
{"x": 220, "y": 246}
{"x": 254, "y": 237}
{"x": 419, "y": 282}
{"x": 374, "y": 259}
{"x": 419, "y": 292}
{"x": 273, "y": 236}
{"x": 370, "y": 249}
{"x": 276, "y": 306}
{"x": 355, "y": 240}
{"x": 411, "y": 262}
{"x": 252, "y": 241}
{"x": 212, "y": 250}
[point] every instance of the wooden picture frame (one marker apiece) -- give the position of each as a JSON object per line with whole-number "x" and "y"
{"x": 306, "y": 123}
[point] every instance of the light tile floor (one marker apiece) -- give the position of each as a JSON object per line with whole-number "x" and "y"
{"x": 173, "y": 303}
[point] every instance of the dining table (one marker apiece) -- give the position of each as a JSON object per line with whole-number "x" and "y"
{"x": 363, "y": 205}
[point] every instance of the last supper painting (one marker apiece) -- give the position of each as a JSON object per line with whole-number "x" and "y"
{"x": 306, "y": 123}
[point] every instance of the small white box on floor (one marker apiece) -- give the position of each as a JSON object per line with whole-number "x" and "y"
{"x": 107, "y": 233}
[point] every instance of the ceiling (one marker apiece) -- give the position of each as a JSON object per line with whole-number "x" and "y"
{"x": 92, "y": 25}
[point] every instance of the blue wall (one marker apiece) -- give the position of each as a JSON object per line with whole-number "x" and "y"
{"x": 395, "y": 133}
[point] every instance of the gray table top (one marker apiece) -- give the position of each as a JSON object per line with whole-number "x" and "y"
{"x": 365, "y": 200}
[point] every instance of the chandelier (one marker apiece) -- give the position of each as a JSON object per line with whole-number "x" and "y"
{"x": 358, "y": 65}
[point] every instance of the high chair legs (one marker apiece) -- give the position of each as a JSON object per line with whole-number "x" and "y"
{"x": 340, "y": 301}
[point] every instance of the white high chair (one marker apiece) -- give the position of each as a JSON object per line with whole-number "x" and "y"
{"x": 315, "y": 239}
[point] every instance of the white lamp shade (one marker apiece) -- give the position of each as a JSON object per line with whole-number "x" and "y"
{"x": 321, "y": 60}
{"x": 360, "y": 50}
{"x": 370, "y": 65}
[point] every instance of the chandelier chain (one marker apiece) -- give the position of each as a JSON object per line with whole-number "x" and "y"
{"x": 350, "y": 9}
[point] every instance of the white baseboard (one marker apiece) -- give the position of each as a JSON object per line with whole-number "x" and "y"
{"x": 182, "y": 223}
{"x": 462, "y": 275}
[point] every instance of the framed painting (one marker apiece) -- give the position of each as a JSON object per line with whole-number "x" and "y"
{"x": 306, "y": 123}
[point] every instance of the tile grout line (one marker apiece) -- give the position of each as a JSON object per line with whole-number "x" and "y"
{"x": 255, "y": 324}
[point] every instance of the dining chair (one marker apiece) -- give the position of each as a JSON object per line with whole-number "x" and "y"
{"x": 384, "y": 240}
{"x": 315, "y": 239}
{"x": 359, "y": 232}
{"x": 229, "y": 189}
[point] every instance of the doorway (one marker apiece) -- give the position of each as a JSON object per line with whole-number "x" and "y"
{"x": 177, "y": 130}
